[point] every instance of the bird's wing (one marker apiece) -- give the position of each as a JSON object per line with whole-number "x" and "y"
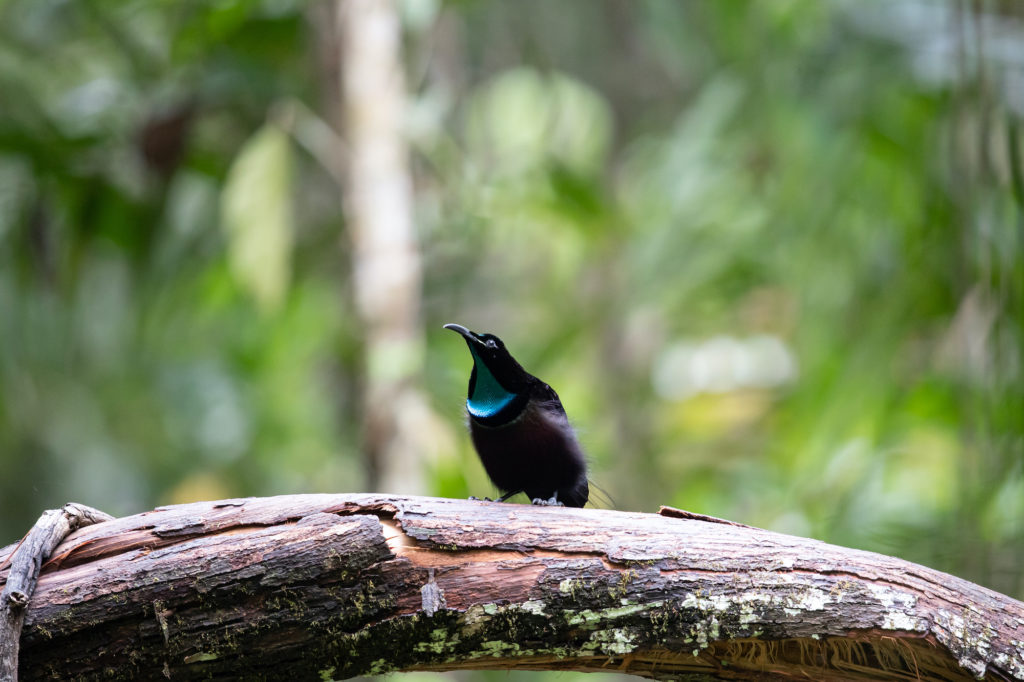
{"x": 546, "y": 395}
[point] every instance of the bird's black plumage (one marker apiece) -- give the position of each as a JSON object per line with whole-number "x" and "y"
{"x": 519, "y": 428}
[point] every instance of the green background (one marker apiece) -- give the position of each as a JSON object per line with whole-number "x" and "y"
{"x": 771, "y": 255}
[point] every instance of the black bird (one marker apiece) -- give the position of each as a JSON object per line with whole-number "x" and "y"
{"x": 519, "y": 428}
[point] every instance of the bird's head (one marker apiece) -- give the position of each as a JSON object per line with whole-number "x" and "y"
{"x": 496, "y": 379}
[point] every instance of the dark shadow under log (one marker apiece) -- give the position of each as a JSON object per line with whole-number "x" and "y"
{"x": 333, "y": 586}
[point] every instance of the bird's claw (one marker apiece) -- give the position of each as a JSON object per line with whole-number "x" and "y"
{"x": 553, "y": 502}
{"x": 480, "y": 499}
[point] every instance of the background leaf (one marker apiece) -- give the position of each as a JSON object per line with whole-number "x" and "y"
{"x": 257, "y": 216}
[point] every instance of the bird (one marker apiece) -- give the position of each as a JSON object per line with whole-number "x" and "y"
{"x": 519, "y": 428}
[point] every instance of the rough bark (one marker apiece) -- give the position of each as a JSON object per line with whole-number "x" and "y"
{"x": 321, "y": 586}
{"x": 24, "y": 562}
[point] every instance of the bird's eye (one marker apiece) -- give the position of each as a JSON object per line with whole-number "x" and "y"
{"x": 491, "y": 343}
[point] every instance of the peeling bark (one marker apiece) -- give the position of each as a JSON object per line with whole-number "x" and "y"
{"x": 25, "y": 561}
{"x": 333, "y": 586}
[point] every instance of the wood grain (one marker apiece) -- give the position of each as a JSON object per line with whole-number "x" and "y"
{"x": 334, "y": 586}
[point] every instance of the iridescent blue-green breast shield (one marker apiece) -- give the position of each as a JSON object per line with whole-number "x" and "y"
{"x": 488, "y": 397}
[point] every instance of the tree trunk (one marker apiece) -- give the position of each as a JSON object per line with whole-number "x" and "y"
{"x": 386, "y": 266}
{"x": 332, "y": 586}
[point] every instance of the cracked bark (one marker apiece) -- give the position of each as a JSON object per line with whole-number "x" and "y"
{"x": 23, "y": 563}
{"x": 322, "y": 586}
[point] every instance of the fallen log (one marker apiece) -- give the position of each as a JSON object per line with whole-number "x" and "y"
{"x": 334, "y": 586}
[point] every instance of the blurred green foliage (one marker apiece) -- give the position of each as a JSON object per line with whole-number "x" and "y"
{"x": 771, "y": 254}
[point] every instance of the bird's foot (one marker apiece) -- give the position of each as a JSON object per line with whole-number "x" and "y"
{"x": 553, "y": 502}
{"x": 480, "y": 499}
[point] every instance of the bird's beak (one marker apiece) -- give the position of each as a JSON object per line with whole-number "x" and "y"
{"x": 466, "y": 334}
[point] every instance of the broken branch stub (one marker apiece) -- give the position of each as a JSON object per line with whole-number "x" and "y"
{"x": 334, "y": 586}
{"x": 22, "y": 564}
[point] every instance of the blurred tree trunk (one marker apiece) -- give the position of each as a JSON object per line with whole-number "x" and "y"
{"x": 386, "y": 266}
{"x": 308, "y": 587}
